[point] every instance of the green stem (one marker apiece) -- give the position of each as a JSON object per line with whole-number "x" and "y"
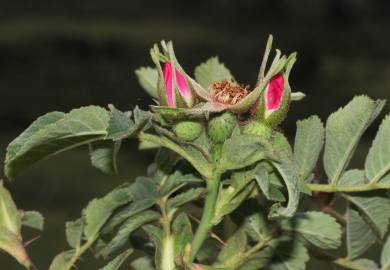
{"x": 208, "y": 214}
{"x": 347, "y": 188}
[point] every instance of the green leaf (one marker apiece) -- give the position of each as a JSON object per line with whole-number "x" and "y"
{"x": 289, "y": 255}
{"x": 378, "y": 158}
{"x": 148, "y": 77}
{"x": 228, "y": 203}
{"x": 32, "y": 219}
{"x": 61, "y": 260}
{"x": 255, "y": 225}
{"x": 143, "y": 188}
{"x": 256, "y": 261}
{"x": 375, "y": 210}
{"x": 309, "y": 140}
{"x": 118, "y": 261}
{"x": 209, "y": 250}
{"x": 210, "y": 71}
{"x": 366, "y": 263}
{"x": 99, "y": 210}
{"x": 9, "y": 215}
{"x": 318, "y": 228}
{"x": 54, "y": 133}
{"x": 261, "y": 177}
{"x": 289, "y": 175}
{"x": 234, "y": 249}
{"x": 192, "y": 155}
{"x": 353, "y": 177}
{"x": 241, "y": 151}
{"x": 155, "y": 234}
{"x": 12, "y": 244}
{"x": 103, "y": 155}
{"x": 182, "y": 233}
{"x": 185, "y": 197}
{"x": 270, "y": 190}
{"x": 231, "y": 197}
{"x": 344, "y": 129}
{"x": 142, "y": 263}
{"x": 176, "y": 181}
{"x": 122, "y": 126}
{"x": 297, "y": 96}
{"x": 74, "y": 232}
{"x": 40, "y": 123}
{"x": 126, "y": 212}
{"x": 385, "y": 255}
{"x": 124, "y": 231}
{"x": 360, "y": 236}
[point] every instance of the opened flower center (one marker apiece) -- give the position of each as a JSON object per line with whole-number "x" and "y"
{"x": 228, "y": 92}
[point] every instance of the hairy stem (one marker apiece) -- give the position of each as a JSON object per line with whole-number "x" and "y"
{"x": 347, "y": 188}
{"x": 207, "y": 215}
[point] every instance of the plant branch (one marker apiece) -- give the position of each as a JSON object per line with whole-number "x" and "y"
{"x": 207, "y": 215}
{"x": 347, "y": 188}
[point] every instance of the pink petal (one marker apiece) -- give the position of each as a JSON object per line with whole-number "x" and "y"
{"x": 274, "y": 92}
{"x": 167, "y": 72}
{"x": 182, "y": 84}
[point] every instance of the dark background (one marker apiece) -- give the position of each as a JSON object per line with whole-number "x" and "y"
{"x": 58, "y": 55}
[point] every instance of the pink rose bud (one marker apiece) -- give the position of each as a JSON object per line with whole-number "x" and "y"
{"x": 175, "y": 90}
{"x": 274, "y": 102}
{"x": 173, "y": 83}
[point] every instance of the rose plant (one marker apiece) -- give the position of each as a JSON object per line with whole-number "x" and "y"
{"x": 226, "y": 189}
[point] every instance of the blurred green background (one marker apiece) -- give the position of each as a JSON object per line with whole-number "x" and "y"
{"x": 58, "y": 55}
